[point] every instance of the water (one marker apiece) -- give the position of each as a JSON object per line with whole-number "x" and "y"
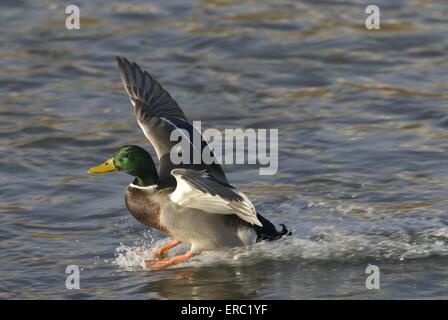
{"x": 362, "y": 118}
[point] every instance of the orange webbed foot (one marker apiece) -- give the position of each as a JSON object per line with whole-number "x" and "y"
{"x": 159, "y": 253}
{"x": 162, "y": 264}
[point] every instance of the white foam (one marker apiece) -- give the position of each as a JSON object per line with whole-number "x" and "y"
{"x": 326, "y": 243}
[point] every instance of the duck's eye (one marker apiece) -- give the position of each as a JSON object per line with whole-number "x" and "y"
{"x": 124, "y": 155}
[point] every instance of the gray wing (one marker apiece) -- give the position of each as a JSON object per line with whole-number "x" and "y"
{"x": 158, "y": 114}
{"x": 146, "y": 94}
{"x": 152, "y": 105}
{"x": 198, "y": 190}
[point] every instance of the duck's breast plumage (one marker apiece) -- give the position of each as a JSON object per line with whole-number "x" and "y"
{"x": 144, "y": 203}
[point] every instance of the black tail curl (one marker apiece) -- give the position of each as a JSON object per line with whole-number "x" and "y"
{"x": 268, "y": 230}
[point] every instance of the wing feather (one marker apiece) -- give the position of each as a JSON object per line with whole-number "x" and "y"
{"x": 158, "y": 115}
{"x": 198, "y": 190}
{"x": 146, "y": 94}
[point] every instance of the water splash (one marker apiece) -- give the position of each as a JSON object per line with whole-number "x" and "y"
{"x": 327, "y": 243}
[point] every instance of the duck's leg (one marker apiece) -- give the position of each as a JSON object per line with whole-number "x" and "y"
{"x": 162, "y": 264}
{"x": 161, "y": 251}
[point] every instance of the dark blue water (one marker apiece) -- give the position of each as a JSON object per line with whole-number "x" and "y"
{"x": 363, "y": 143}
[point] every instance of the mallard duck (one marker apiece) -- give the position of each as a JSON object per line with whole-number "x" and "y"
{"x": 192, "y": 203}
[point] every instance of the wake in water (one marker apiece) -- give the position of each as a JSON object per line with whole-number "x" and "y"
{"x": 327, "y": 243}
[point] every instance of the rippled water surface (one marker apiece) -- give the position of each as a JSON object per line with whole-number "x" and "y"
{"x": 363, "y": 141}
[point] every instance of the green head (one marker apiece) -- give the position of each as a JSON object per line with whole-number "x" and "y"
{"x": 133, "y": 160}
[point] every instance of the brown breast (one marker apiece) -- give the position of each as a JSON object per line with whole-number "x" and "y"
{"x": 144, "y": 205}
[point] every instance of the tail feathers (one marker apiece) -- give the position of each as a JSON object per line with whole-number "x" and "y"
{"x": 268, "y": 230}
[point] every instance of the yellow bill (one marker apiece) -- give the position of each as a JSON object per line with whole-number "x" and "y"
{"x": 107, "y": 166}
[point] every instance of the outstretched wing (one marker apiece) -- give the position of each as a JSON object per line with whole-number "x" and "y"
{"x": 158, "y": 114}
{"x": 153, "y": 105}
{"x": 146, "y": 94}
{"x": 198, "y": 190}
